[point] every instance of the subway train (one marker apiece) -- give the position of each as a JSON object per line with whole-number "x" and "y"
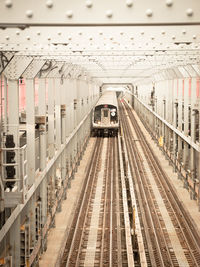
{"x": 105, "y": 119}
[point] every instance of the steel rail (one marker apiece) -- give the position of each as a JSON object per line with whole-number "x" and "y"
{"x": 116, "y": 196}
{"x": 84, "y": 211}
{"x": 74, "y": 223}
{"x": 183, "y": 223}
{"x": 104, "y": 212}
{"x": 129, "y": 248}
{"x": 138, "y": 172}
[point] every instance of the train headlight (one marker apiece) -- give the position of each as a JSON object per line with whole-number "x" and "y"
{"x": 112, "y": 113}
{"x": 99, "y": 122}
{"x": 112, "y": 122}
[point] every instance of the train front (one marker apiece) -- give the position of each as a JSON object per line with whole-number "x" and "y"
{"x": 105, "y": 120}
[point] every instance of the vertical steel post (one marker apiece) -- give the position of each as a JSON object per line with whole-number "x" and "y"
{"x": 30, "y": 129}
{"x": 51, "y": 117}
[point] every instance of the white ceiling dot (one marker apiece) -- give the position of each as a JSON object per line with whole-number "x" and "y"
{"x": 152, "y": 37}
{"x": 173, "y": 37}
{"x": 109, "y": 13}
{"x": 69, "y": 38}
{"x": 49, "y": 3}
{"x": 189, "y": 12}
{"x": 7, "y": 38}
{"x": 17, "y": 32}
{"x": 100, "y": 33}
{"x": 49, "y": 38}
{"x": 129, "y": 3}
{"x": 29, "y": 13}
{"x": 194, "y": 36}
{"x": 88, "y": 3}
{"x": 69, "y": 14}
{"x": 28, "y": 38}
{"x": 163, "y": 32}
{"x": 142, "y": 33}
{"x": 38, "y": 33}
{"x": 80, "y": 33}
{"x": 8, "y": 3}
{"x": 183, "y": 31}
{"x": 59, "y": 33}
{"x": 149, "y": 12}
{"x": 169, "y": 2}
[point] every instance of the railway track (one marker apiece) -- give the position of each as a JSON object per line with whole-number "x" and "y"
{"x": 97, "y": 235}
{"x": 170, "y": 237}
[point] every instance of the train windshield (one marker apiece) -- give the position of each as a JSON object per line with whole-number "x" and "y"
{"x": 105, "y": 113}
{"x": 110, "y": 111}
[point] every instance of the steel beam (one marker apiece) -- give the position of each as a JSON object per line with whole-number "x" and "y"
{"x": 51, "y": 96}
{"x": 30, "y": 130}
{"x": 88, "y": 13}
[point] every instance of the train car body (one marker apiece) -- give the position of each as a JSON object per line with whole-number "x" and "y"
{"x": 105, "y": 119}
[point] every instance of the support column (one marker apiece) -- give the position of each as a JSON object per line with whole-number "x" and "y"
{"x": 13, "y": 109}
{"x": 51, "y": 117}
{"x": 30, "y": 129}
{"x": 15, "y": 242}
{"x": 58, "y": 113}
{"x": 42, "y": 127}
{"x": 187, "y": 102}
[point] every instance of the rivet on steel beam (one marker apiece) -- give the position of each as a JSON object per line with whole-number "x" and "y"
{"x": 29, "y": 13}
{"x": 88, "y": 3}
{"x": 49, "y": 3}
{"x": 109, "y": 13}
{"x": 8, "y": 3}
{"x": 189, "y": 12}
{"x": 69, "y": 14}
{"x": 169, "y": 2}
{"x": 149, "y": 12}
{"x": 129, "y": 3}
